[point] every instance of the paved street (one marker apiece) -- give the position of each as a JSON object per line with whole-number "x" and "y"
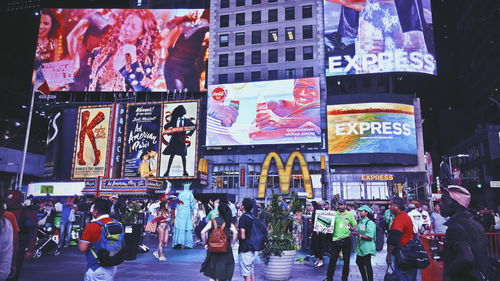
{"x": 182, "y": 265}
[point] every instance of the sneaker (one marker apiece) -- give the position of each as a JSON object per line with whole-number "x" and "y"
{"x": 155, "y": 253}
{"x": 320, "y": 264}
{"x": 162, "y": 258}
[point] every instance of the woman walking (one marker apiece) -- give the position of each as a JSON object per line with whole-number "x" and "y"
{"x": 365, "y": 246}
{"x": 163, "y": 229}
{"x": 220, "y": 266}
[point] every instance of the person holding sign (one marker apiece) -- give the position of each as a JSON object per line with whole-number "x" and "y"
{"x": 365, "y": 242}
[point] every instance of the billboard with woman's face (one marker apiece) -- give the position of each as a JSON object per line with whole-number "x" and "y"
{"x": 373, "y": 36}
{"x": 117, "y": 50}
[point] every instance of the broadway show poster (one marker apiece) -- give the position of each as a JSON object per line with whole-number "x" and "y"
{"x": 371, "y": 128}
{"x": 137, "y": 50}
{"x": 142, "y": 140}
{"x": 91, "y": 143}
{"x": 267, "y": 112}
{"x": 179, "y": 140}
{"x": 372, "y": 36}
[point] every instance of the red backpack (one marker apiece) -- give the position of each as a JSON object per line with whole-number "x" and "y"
{"x": 217, "y": 243}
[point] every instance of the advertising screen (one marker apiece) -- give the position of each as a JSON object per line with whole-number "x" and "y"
{"x": 91, "y": 143}
{"x": 179, "y": 140}
{"x": 140, "y": 50}
{"x": 270, "y": 112}
{"x": 371, "y": 128}
{"x": 371, "y": 36}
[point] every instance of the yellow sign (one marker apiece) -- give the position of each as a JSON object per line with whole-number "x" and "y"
{"x": 203, "y": 166}
{"x": 284, "y": 173}
{"x": 387, "y": 177}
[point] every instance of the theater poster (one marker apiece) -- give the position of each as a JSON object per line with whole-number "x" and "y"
{"x": 142, "y": 140}
{"x": 91, "y": 143}
{"x": 179, "y": 140}
{"x": 117, "y": 50}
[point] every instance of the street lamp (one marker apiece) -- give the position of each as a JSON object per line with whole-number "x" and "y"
{"x": 456, "y": 156}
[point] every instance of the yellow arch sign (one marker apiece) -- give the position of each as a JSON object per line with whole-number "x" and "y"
{"x": 284, "y": 173}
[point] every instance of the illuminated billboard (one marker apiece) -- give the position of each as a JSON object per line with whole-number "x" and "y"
{"x": 372, "y": 132}
{"x": 91, "y": 144}
{"x": 269, "y": 112}
{"x": 366, "y": 36}
{"x": 117, "y": 50}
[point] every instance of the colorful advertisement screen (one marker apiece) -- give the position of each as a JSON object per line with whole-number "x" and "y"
{"x": 113, "y": 50}
{"x": 371, "y": 36}
{"x": 91, "y": 144}
{"x": 270, "y": 112}
{"x": 378, "y": 128}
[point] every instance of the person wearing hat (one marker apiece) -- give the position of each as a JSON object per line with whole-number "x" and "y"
{"x": 416, "y": 218}
{"x": 465, "y": 244}
{"x": 115, "y": 209}
{"x": 365, "y": 242}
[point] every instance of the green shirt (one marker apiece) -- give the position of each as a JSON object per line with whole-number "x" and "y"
{"x": 364, "y": 247}
{"x": 212, "y": 215}
{"x": 341, "y": 229}
{"x": 388, "y": 217}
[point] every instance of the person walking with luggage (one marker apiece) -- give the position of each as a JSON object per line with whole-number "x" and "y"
{"x": 163, "y": 229}
{"x": 365, "y": 242}
{"x": 219, "y": 264}
{"x": 344, "y": 221}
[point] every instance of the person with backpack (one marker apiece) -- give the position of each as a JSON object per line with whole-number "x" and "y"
{"x": 365, "y": 242}
{"x": 102, "y": 242}
{"x": 219, "y": 262}
{"x": 248, "y": 244}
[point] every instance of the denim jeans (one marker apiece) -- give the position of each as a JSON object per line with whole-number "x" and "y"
{"x": 404, "y": 274}
{"x": 65, "y": 233}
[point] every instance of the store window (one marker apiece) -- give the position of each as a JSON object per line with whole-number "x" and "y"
{"x": 377, "y": 190}
{"x": 353, "y": 191}
{"x": 227, "y": 176}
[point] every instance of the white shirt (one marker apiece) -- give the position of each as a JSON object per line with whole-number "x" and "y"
{"x": 416, "y": 219}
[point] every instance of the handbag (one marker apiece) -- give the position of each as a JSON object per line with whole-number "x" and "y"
{"x": 390, "y": 275}
{"x": 413, "y": 255}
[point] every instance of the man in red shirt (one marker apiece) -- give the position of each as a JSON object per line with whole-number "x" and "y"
{"x": 400, "y": 233}
{"x": 92, "y": 234}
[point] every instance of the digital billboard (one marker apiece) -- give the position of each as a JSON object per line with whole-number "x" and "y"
{"x": 374, "y": 131}
{"x": 179, "y": 140}
{"x": 108, "y": 50}
{"x": 268, "y": 112}
{"x": 91, "y": 143}
{"x": 368, "y": 36}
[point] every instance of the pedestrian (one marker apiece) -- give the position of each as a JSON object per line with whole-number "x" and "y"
{"x": 245, "y": 252}
{"x": 8, "y": 239}
{"x": 91, "y": 235}
{"x": 400, "y": 234}
{"x": 465, "y": 244}
{"x": 426, "y": 220}
{"x": 317, "y": 238}
{"x": 220, "y": 266}
{"x": 344, "y": 221}
{"x": 233, "y": 211}
{"x": 297, "y": 227}
{"x": 365, "y": 244}
{"x": 416, "y": 218}
{"x": 163, "y": 230}
{"x": 486, "y": 219}
{"x": 115, "y": 210}
{"x": 438, "y": 221}
{"x": 215, "y": 210}
{"x": 67, "y": 219}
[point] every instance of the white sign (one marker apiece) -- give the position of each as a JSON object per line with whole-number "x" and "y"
{"x": 495, "y": 183}
{"x": 324, "y": 221}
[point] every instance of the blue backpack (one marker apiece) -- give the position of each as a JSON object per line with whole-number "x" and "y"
{"x": 258, "y": 234}
{"x": 110, "y": 249}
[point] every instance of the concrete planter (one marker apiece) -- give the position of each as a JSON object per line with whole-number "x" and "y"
{"x": 280, "y": 268}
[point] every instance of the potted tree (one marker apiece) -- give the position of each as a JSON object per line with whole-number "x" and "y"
{"x": 133, "y": 224}
{"x": 280, "y": 249}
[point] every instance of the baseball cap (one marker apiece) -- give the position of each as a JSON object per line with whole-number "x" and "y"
{"x": 365, "y": 208}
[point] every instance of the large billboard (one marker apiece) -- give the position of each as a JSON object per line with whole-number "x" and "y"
{"x": 112, "y": 50}
{"x": 269, "y": 112}
{"x": 378, "y": 128}
{"x": 91, "y": 143}
{"x": 365, "y": 36}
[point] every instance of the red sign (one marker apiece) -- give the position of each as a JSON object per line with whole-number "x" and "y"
{"x": 456, "y": 175}
{"x": 219, "y": 94}
{"x": 242, "y": 176}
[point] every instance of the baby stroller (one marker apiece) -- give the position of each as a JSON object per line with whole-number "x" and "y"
{"x": 46, "y": 242}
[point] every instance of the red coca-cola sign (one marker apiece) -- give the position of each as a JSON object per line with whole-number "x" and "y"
{"x": 219, "y": 94}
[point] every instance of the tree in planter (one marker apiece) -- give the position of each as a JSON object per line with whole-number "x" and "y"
{"x": 131, "y": 214}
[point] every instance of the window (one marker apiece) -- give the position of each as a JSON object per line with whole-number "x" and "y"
{"x": 289, "y": 33}
{"x": 240, "y": 3}
{"x": 272, "y": 55}
{"x": 272, "y": 15}
{"x": 273, "y": 1}
{"x": 239, "y": 77}
{"x": 223, "y": 60}
{"x": 290, "y": 54}
{"x": 222, "y": 78}
{"x": 256, "y": 57}
{"x": 272, "y": 35}
{"x": 308, "y": 72}
{"x": 255, "y": 75}
{"x": 224, "y": 21}
{"x": 224, "y": 4}
{"x": 290, "y": 73}
{"x": 307, "y": 11}
{"x": 272, "y": 75}
{"x": 307, "y": 53}
{"x": 256, "y": 2}
{"x": 239, "y": 38}
{"x": 290, "y": 13}
{"x": 240, "y": 19}
{"x": 256, "y": 17}
{"x": 256, "y": 37}
{"x": 223, "y": 40}
{"x": 307, "y": 31}
{"x": 239, "y": 58}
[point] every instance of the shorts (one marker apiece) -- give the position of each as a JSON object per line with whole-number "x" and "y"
{"x": 246, "y": 263}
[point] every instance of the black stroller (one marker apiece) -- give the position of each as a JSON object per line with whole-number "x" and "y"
{"x": 46, "y": 242}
